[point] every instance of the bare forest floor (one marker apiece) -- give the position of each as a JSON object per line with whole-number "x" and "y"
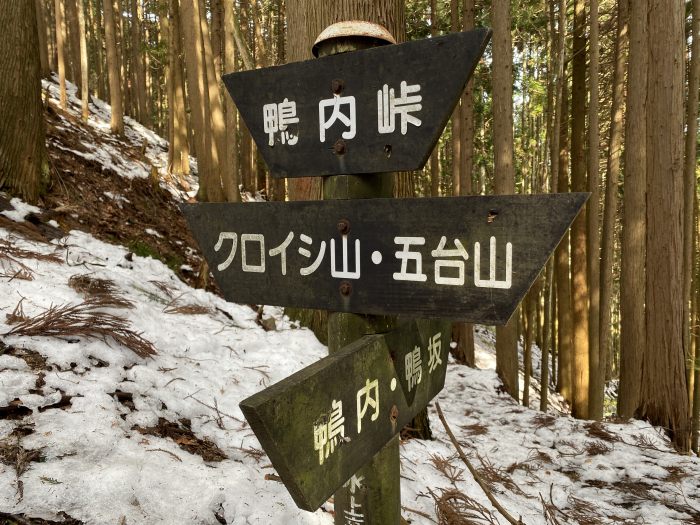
{"x": 120, "y": 382}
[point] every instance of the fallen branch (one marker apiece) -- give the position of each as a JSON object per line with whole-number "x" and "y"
{"x": 473, "y": 471}
{"x": 84, "y": 320}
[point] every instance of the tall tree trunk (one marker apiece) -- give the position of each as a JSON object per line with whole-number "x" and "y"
{"x": 434, "y": 157}
{"x": 463, "y": 333}
{"x": 223, "y": 178}
{"x": 85, "y": 70}
{"x": 612, "y": 188}
{"x": 597, "y": 380}
{"x": 689, "y": 184}
{"x": 504, "y": 173}
{"x": 115, "y": 97}
{"x": 231, "y": 155}
{"x": 664, "y": 397}
{"x": 579, "y": 272}
{"x": 73, "y": 25}
{"x": 43, "y": 45}
{"x": 139, "y": 74}
{"x": 564, "y": 313}
{"x": 457, "y": 142}
{"x": 633, "y": 338}
{"x": 61, "y": 52}
{"x": 207, "y": 159}
{"x": 24, "y": 167}
{"x": 179, "y": 146}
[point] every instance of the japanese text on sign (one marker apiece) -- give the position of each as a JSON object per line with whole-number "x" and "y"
{"x": 342, "y": 111}
{"x": 448, "y": 267}
{"x": 329, "y": 428}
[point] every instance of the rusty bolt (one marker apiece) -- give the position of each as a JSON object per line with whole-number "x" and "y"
{"x": 394, "y": 414}
{"x": 339, "y": 147}
{"x": 337, "y": 86}
{"x": 343, "y": 226}
{"x": 345, "y": 289}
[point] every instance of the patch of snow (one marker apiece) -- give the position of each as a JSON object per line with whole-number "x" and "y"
{"x": 20, "y": 211}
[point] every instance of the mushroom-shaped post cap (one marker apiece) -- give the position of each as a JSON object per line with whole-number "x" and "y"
{"x": 376, "y": 35}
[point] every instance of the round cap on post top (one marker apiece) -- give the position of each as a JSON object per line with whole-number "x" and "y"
{"x": 359, "y": 34}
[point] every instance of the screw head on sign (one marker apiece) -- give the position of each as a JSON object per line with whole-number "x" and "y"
{"x": 337, "y": 86}
{"x": 339, "y": 147}
{"x": 343, "y": 226}
{"x": 345, "y": 289}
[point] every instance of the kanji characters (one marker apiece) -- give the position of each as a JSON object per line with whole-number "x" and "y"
{"x": 367, "y": 396}
{"x": 440, "y": 251}
{"x": 434, "y": 351}
{"x": 329, "y": 431}
{"x": 277, "y": 118}
{"x": 491, "y": 282}
{"x": 406, "y": 255}
{"x": 389, "y": 106}
{"x": 414, "y": 368}
{"x": 348, "y": 120}
{"x": 345, "y": 273}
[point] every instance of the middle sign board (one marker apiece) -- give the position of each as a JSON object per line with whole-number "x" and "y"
{"x": 467, "y": 258}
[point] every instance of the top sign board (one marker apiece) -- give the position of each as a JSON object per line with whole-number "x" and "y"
{"x": 371, "y": 111}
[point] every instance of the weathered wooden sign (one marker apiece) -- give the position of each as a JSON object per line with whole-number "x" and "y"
{"x": 370, "y": 111}
{"x": 317, "y": 429}
{"x": 468, "y": 258}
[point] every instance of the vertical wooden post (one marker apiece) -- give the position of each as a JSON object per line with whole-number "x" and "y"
{"x": 374, "y": 492}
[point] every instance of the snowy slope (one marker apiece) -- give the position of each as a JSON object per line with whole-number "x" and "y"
{"x": 91, "y": 431}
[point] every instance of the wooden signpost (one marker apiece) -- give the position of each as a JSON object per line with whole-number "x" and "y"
{"x": 318, "y": 430}
{"x": 370, "y": 112}
{"x": 469, "y": 258}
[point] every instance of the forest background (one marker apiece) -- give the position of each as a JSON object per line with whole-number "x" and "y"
{"x": 570, "y": 96}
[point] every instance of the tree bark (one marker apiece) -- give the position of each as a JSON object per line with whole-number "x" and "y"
{"x": 504, "y": 183}
{"x": 612, "y": 188}
{"x": 564, "y": 313}
{"x": 84, "y": 68}
{"x": 43, "y": 46}
{"x": 664, "y": 396}
{"x": 231, "y": 154}
{"x": 61, "y": 52}
{"x": 633, "y": 338}
{"x": 179, "y": 147}
{"x": 579, "y": 271}
{"x": 597, "y": 380}
{"x": 223, "y": 178}
{"x": 463, "y": 333}
{"x": 139, "y": 74}
{"x": 24, "y": 167}
{"x": 691, "y": 138}
{"x": 72, "y": 24}
{"x": 115, "y": 96}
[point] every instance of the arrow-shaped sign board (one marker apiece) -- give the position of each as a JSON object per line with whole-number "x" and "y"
{"x": 317, "y": 430}
{"x": 377, "y": 110}
{"x": 468, "y": 258}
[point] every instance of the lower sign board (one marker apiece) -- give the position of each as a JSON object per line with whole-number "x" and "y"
{"x": 319, "y": 429}
{"x": 467, "y": 258}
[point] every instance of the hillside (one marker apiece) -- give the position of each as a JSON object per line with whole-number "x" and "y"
{"x": 120, "y": 382}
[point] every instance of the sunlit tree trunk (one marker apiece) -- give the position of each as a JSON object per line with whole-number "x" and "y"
{"x": 579, "y": 277}
{"x": 61, "y": 52}
{"x": 84, "y": 68}
{"x": 24, "y": 168}
{"x": 664, "y": 396}
{"x": 633, "y": 338}
{"x": 504, "y": 173}
{"x": 611, "y": 188}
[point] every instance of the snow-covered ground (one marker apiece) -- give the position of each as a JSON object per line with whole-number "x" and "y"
{"x": 92, "y": 431}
